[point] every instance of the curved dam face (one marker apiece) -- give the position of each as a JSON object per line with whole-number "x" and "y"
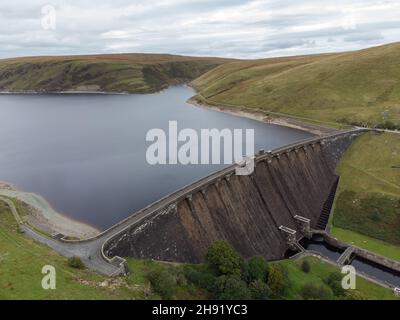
{"x": 246, "y": 211}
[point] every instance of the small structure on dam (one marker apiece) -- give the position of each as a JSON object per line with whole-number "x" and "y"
{"x": 260, "y": 214}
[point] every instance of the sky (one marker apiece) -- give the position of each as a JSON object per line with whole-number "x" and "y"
{"x": 223, "y": 28}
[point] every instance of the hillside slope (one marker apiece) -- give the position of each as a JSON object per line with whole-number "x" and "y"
{"x": 135, "y": 73}
{"x": 352, "y": 87}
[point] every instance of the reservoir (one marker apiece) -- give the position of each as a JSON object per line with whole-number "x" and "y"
{"x": 86, "y": 153}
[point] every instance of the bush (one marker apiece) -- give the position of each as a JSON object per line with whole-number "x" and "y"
{"x": 201, "y": 279}
{"x": 257, "y": 269}
{"x": 259, "y": 290}
{"x": 224, "y": 259}
{"x": 231, "y": 288}
{"x": 334, "y": 281}
{"x": 355, "y": 295}
{"x": 305, "y": 266}
{"x": 76, "y": 262}
{"x": 278, "y": 280}
{"x": 163, "y": 283}
{"x": 312, "y": 291}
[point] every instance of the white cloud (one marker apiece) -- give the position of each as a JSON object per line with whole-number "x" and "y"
{"x": 232, "y": 28}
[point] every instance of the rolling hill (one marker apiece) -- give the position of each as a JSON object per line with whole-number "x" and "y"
{"x": 134, "y": 73}
{"x": 361, "y": 87}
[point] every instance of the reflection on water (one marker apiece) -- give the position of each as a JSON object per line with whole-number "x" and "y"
{"x": 86, "y": 154}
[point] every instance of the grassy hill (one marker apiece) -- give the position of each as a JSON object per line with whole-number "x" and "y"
{"x": 367, "y": 206}
{"x": 352, "y": 87}
{"x": 135, "y": 73}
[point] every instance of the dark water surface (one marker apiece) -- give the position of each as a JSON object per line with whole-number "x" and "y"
{"x": 318, "y": 244}
{"x": 377, "y": 271}
{"x": 86, "y": 154}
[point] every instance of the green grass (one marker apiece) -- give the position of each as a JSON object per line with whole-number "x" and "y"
{"x": 368, "y": 243}
{"x": 320, "y": 270}
{"x": 353, "y": 87}
{"x": 21, "y": 262}
{"x": 367, "y": 206}
{"x": 135, "y": 73}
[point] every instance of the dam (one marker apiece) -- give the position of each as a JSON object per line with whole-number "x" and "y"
{"x": 260, "y": 214}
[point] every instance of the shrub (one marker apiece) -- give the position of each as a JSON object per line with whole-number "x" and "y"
{"x": 312, "y": 291}
{"x": 202, "y": 279}
{"x": 259, "y": 290}
{"x": 334, "y": 281}
{"x": 76, "y": 262}
{"x": 224, "y": 259}
{"x": 305, "y": 266}
{"x": 163, "y": 283}
{"x": 231, "y": 288}
{"x": 278, "y": 280}
{"x": 257, "y": 269}
{"x": 355, "y": 295}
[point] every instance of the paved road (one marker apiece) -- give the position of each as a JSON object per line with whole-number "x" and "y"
{"x": 83, "y": 250}
{"x": 91, "y": 250}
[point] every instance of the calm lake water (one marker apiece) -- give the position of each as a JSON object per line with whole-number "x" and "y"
{"x": 86, "y": 154}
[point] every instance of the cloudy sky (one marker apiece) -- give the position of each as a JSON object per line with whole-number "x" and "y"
{"x": 230, "y": 28}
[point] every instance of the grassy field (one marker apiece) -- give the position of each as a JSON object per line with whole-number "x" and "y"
{"x": 135, "y": 73}
{"x": 360, "y": 87}
{"x": 380, "y": 247}
{"x": 321, "y": 270}
{"x": 367, "y": 207}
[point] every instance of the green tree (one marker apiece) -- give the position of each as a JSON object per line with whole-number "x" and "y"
{"x": 257, "y": 269}
{"x": 259, "y": 290}
{"x": 312, "y": 291}
{"x": 163, "y": 283}
{"x": 224, "y": 259}
{"x": 334, "y": 281}
{"x": 231, "y": 288}
{"x": 278, "y": 280}
{"x": 305, "y": 266}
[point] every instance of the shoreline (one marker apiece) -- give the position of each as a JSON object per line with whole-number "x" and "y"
{"x": 44, "y": 218}
{"x": 261, "y": 117}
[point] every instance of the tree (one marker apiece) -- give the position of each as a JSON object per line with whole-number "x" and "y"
{"x": 163, "y": 283}
{"x": 231, "y": 288}
{"x": 278, "y": 280}
{"x": 201, "y": 278}
{"x": 334, "y": 281}
{"x": 312, "y": 291}
{"x": 259, "y": 290}
{"x": 305, "y": 266}
{"x": 257, "y": 269}
{"x": 224, "y": 259}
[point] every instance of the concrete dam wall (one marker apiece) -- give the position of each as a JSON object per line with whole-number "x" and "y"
{"x": 246, "y": 211}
